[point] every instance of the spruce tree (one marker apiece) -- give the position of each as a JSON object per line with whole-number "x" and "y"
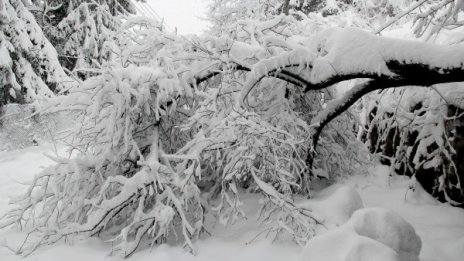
{"x": 29, "y": 65}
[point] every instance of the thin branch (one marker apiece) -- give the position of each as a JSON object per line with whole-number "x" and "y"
{"x": 399, "y": 16}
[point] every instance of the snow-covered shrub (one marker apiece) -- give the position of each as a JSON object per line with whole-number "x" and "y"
{"x": 243, "y": 150}
{"x": 419, "y": 133}
{"x": 435, "y": 16}
{"x": 122, "y": 180}
{"x": 251, "y": 110}
{"x": 322, "y": 13}
{"x": 132, "y": 180}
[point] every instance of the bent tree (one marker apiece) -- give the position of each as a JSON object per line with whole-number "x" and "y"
{"x": 177, "y": 128}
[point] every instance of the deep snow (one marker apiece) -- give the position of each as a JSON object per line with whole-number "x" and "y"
{"x": 440, "y": 227}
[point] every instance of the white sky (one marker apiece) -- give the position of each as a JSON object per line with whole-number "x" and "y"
{"x": 183, "y": 14}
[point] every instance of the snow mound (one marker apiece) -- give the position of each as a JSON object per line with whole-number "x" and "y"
{"x": 370, "y": 234}
{"x": 388, "y": 228}
{"x": 335, "y": 205}
{"x": 343, "y": 244}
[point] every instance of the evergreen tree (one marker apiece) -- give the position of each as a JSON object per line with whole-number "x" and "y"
{"x": 29, "y": 65}
{"x": 48, "y": 46}
{"x": 83, "y": 31}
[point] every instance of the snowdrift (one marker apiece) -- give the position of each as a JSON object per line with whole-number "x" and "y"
{"x": 334, "y": 205}
{"x": 370, "y": 234}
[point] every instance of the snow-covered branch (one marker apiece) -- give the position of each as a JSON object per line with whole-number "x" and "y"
{"x": 173, "y": 126}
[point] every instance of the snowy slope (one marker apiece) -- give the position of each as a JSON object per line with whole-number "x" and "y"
{"x": 440, "y": 227}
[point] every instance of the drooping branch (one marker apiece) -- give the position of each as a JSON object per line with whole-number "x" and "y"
{"x": 338, "y": 54}
{"x": 413, "y": 75}
{"x": 344, "y": 55}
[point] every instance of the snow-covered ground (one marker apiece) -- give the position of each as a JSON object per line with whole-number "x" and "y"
{"x": 440, "y": 226}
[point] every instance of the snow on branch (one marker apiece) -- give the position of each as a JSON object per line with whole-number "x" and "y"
{"x": 334, "y": 56}
{"x": 163, "y": 135}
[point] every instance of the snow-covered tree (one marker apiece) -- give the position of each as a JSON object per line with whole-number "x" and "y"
{"x": 434, "y": 16}
{"x": 430, "y": 17}
{"x": 417, "y": 132}
{"x": 29, "y": 66}
{"x": 82, "y": 31}
{"x": 250, "y": 110}
{"x": 32, "y": 32}
{"x": 357, "y": 13}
